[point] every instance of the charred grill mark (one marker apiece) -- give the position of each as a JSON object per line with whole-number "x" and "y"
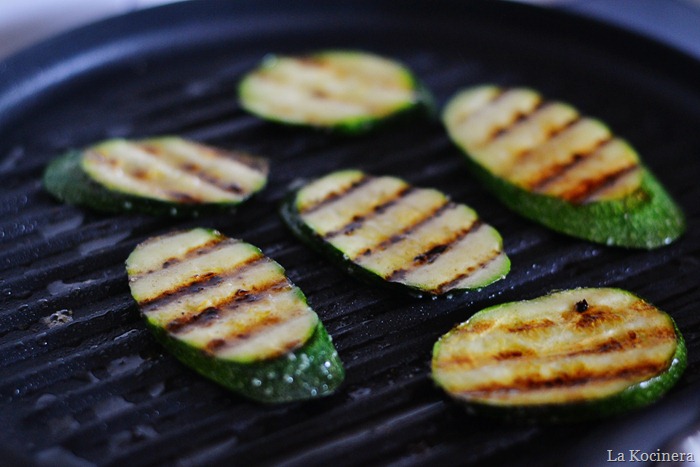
{"x": 555, "y": 172}
{"x": 245, "y": 332}
{"x": 518, "y": 118}
{"x": 563, "y": 128}
{"x": 595, "y": 316}
{"x": 192, "y": 169}
{"x": 630, "y": 340}
{"x": 358, "y": 221}
{"x": 461, "y": 360}
{"x": 197, "y": 284}
{"x": 445, "y": 286}
{"x": 226, "y": 306}
{"x": 200, "y": 249}
{"x": 399, "y": 236}
{"x": 214, "y": 345}
{"x": 336, "y": 195}
{"x": 312, "y": 61}
{"x": 183, "y": 197}
{"x": 588, "y": 189}
{"x": 581, "y": 377}
{"x": 430, "y": 255}
{"x": 207, "y": 315}
{"x": 140, "y": 174}
{"x": 531, "y": 325}
{"x": 650, "y": 338}
{"x": 553, "y": 132}
{"x": 512, "y": 354}
{"x": 477, "y": 328}
{"x": 434, "y": 251}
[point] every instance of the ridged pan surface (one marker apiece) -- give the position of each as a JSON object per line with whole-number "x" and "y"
{"x": 82, "y": 382}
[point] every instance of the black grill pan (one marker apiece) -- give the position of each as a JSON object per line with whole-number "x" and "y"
{"x": 83, "y": 383}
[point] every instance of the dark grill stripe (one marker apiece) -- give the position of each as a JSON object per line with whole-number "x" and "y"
{"x": 203, "y": 248}
{"x": 557, "y": 171}
{"x": 358, "y": 221}
{"x": 517, "y": 118}
{"x": 581, "y": 378}
{"x": 189, "y": 168}
{"x": 451, "y": 283}
{"x": 336, "y": 195}
{"x": 596, "y": 186}
{"x": 256, "y": 327}
{"x": 647, "y": 338}
{"x": 226, "y": 306}
{"x": 522, "y": 155}
{"x": 197, "y": 284}
{"x": 404, "y": 233}
{"x": 434, "y": 251}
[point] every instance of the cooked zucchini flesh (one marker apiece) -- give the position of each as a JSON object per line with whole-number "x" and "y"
{"x": 570, "y": 347}
{"x": 543, "y": 147}
{"x": 403, "y": 234}
{"x": 174, "y": 170}
{"x": 329, "y": 88}
{"x": 219, "y": 295}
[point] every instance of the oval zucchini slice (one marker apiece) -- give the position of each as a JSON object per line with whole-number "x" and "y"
{"x": 229, "y": 312}
{"x": 567, "y": 171}
{"x": 385, "y": 230}
{"x": 575, "y": 354}
{"x": 346, "y": 91}
{"x": 163, "y": 176}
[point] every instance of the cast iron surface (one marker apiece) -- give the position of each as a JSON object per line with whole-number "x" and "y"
{"x": 81, "y": 380}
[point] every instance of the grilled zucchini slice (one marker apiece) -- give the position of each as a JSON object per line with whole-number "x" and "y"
{"x": 574, "y": 354}
{"x": 346, "y": 91}
{"x": 385, "y": 230}
{"x": 165, "y": 175}
{"x": 567, "y": 171}
{"x": 229, "y": 312}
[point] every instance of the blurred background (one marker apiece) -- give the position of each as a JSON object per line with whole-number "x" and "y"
{"x": 24, "y": 22}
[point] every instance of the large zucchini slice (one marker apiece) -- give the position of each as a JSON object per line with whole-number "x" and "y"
{"x": 229, "y": 312}
{"x": 581, "y": 353}
{"x": 165, "y": 175}
{"x": 567, "y": 171}
{"x": 383, "y": 229}
{"x": 346, "y": 91}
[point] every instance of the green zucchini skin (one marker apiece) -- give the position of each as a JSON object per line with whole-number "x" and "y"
{"x": 645, "y": 218}
{"x": 422, "y": 103}
{"x": 65, "y": 179}
{"x": 315, "y": 369}
{"x": 290, "y": 214}
{"x": 632, "y": 397}
{"x": 224, "y": 309}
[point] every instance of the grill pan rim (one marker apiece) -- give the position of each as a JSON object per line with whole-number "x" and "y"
{"x": 33, "y": 76}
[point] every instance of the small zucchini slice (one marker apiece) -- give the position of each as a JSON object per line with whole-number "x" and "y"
{"x": 165, "y": 175}
{"x": 346, "y": 91}
{"x": 229, "y": 312}
{"x": 385, "y": 230}
{"x": 567, "y": 171}
{"x": 574, "y": 354}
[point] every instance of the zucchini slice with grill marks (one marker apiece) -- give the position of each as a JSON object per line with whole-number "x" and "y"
{"x": 575, "y": 354}
{"x": 346, "y": 91}
{"x": 165, "y": 175}
{"x": 384, "y": 229}
{"x": 567, "y": 171}
{"x": 229, "y": 312}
